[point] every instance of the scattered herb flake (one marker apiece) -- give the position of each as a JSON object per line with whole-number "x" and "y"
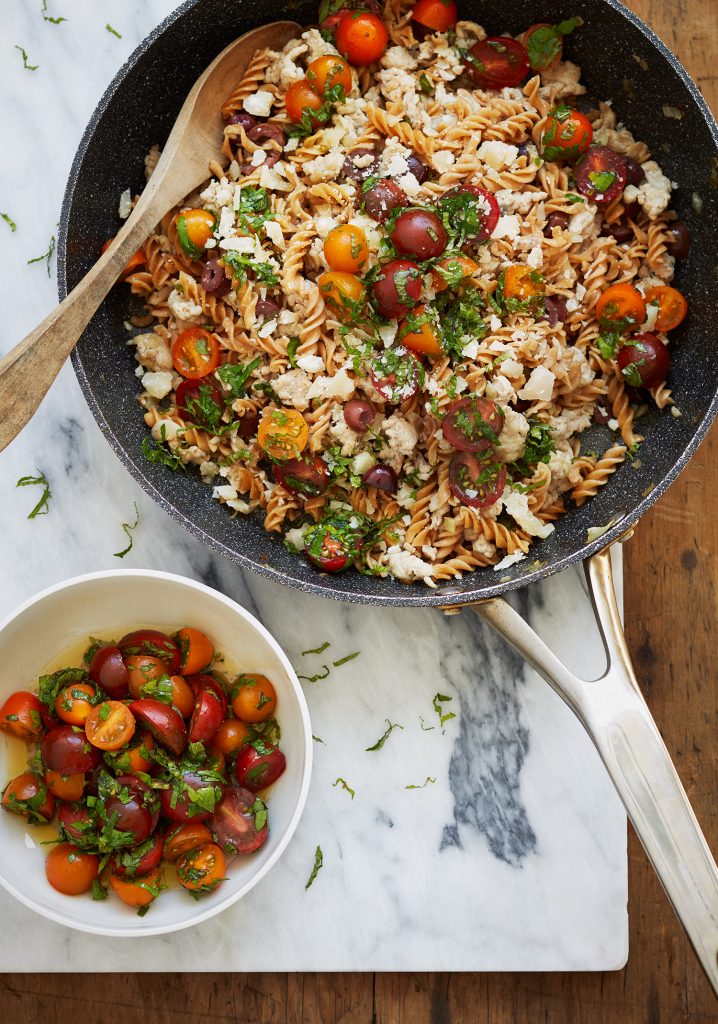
{"x": 390, "y": 728}
{"x": 113, "y": 30}
{"x": 43, "y": 505}
{"x": 9, "y": 221}
{"x": 315, "y": 678}
{"x": 46, "y": 256}
{"x": 343, "y": 661}
{"x": 317, "y": 650}
{"x": 424, "y": 784}
{"x": 343, "y": 783}
{"x": 160, "y": 451}
{"x": 28, "y": 67}
{"x": 439, "y": 699}
{"x": 318, "y": 863}
{"x": 426, "y": 728}
{"x": 128, "y": 528}
{"x": 318, "y": 739}
{"x": 54, "y": 21}
{"x": 98, "y": 893}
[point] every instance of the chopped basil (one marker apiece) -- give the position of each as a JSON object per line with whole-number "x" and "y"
{"x": 254, "y": 208}
{"x": 9, "y": 221}
{"x": 317, "y": 677}
{"x": 234, "y": 376}
{"x": 43, "y": 505}
{"x": 318, "y": 739}
{"x": 28, "y": 67}
{"x": 259, "y": 810}
{"x": 113, "y": 31}
{"x": 128, "y": 528}
{"x": 439, "y": 699}
{"x": 318, "y": 863}
{"x": 573, "y": 198}
{"x": 317, "y": 650}
{"x": 343, "y": 783}
{"x": 49, "y": 686}
{"x": 429, "y": 780}
{"x": 98, "y": 893}
{"x": 46, "y": 16}
{"x": 608, "y": 344}
{"x": 292, "y": 346}
{"x": 602, "y": 180}
{"x": 348, "y": 657}
{"x": 241, "y": 262}
{"x": 159, "y": 451}
{"x": 425, "y": 84}
{"x": 382, "y": 739}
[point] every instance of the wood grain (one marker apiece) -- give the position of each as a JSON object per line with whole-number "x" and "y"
{"x": 671, "y": 615}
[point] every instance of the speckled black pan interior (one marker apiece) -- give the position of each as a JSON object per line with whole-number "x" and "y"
{"x": 621, "y": 60}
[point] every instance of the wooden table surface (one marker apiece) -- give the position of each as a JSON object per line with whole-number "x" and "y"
{"x": 670, "y": 600}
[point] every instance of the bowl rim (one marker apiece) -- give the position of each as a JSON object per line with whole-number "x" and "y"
{"x": 141, "y": 931}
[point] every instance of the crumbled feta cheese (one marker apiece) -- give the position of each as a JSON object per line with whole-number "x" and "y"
{"x": 512, "y": 439}
{"x": 495, "y": 323}
{"x": 388, "y": 332}
{"x": 158, "y": 384}
{"x": 497, "y": 154}
{"x": 258, "y": 157}
{"x": 183, "y": 310}
{"x": 396, "y": 165}
{"x": 295, "y": 537}
{"x": 443, "y": 160}
{"x": 517, "y": 506}
{"x": 218, "y": 193}
{"x": 340, "y": 386}
{"x": 612, "y": 424}
{"x": 410, "y": 184}
{"x": 125, "y": 206}
{"x": 507, "y": 227}
{"x": 362, "y": 463}
{"x": 398, "y": 57}
{"x": 518, "y": 202}
{"x": 471, "y": 349}
{"x": 225, "y": 491}
{"x": 535, "y": 257}
{"x": 508, "y": 560}
{"x": 539, "y": 386}
{"x": 342, "y": 432}
{"x": 400, "y": 434}
{"x": 292, "y": 388}
{"x": 166, "y": 429}
{"x": 511, "y": 368}
{"x": 654, "y": 192}
{"x": 324, "y": 168}
{"x": 311, "y": 364}
{"x": 259, "y": 104}
{"x": 406, "y": 566}
{"x": 153, "y": 352}
{"x": 273, "y": 231}
{"x": 582, "y": 223}
{"x": 651, "y": 317}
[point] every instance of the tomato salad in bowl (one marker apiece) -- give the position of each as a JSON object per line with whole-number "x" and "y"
{"x": 148, "y": 761}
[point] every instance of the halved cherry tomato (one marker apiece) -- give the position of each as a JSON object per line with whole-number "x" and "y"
{"x": 343, "y": 291}
{"x": 138, "y": 260}
{"x": 77, "y": 824}
{"x": 437, "y": 15}
{"x": 497, "y": 62}
{"x": 621, "y": 308}
{"x": 253, "y": 697}
{"x": 419, "y": 333}
{"x": 301, "y": 98}
{"x": 110, "y": 725}
{"x": 346, "y": 248}
{"x": 141, "y": 669}
{"x": 66, "y": 749}
{"x": 476, "y": 482}
{"x": 327, "y": 72}
{"x": 472, "y": 424}
{"x": 256, "y": 769}
{"x": 231, "y": 736}
{"x": 308, "y": 475}
{"x": 522, "y": 282}
{"x": 28, "y": 796}
{"x": 397, "y": 288}
{"x": 74, "y": 703}
{"x": 396, "y": 374}
{"x": 194, "y": 230}
{"x": 419, "y": 233}
{"x": 361, "y": 37}
{"x": 644, "y": 361}
{"x": 567, "y": 134}
{"x": 335, "y": 541}
{"x": 544, "y": 45}
{"x": 182, "y": 696}
{"x": 452, "y": 269}
{"x": 235, "y": 824}
{"x": 381, "y": 200}
{"x": 206, "y": 718}
{"x": 214, "y": 682}
{"x": 195, "y": 353}
{"x": 196, "y": 650}
{"x": 202, "y": 869}
{"x": 65, "y": 787}
{"x": 186, "y": 837}
{"x": 134, "y": 758}
{"x": 472, "y": 211}
{"x": 672, "y": 306}
{"x": 142, "y": 858}
{"x": 601, "y": 174}
{"x": 133, "y": 808}
{"x": 283, "y": 433}
{"x": 139, "y": 890}
{"x": 200, "y": 404}
{"x": 177, "y": 801}
{"x": 165, "y": 723}
{"x": 71, "y": 870}
{"x": 21, "y": 716}
{"x": 108, "y": 670}
{"x": 152, "y": 644}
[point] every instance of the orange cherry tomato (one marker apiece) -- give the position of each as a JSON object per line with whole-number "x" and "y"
{"x": 672, "y": 306}
{"x": 341, "y": 290}
{"x": 621, "y": 308}
{"x": 74, "y": 703}
{"x": 138, "y": 260}
{"x": 568, "y": 133}
{"x": 283, "y": 433}
{"x": 28, "y": 796}
{"x": 110, "y": 725}
{"x": 194, "y": 230}
{"x": 195, "y": 353}
{"x": 65, "y": 787}
{"x": 141, "y": 669}
{"x": 438, "y": 15}
{"x": 134, "y": 758}
{"x": 521, "y": 282}
{"x": 202, "y": 869}
{"x": 327, "y": 72}
{"x": 71, "y": 870}
{"x": 182, "y": 696}
{"x": 544, "y": 45}
{"x": 137, "y": 890}
{"x": 346, "y": 248}
{"x": 420, "y": 334}
{"x": 253, "y": 697}
{"x": 231, "y": 736}
{"x": 301, "y": 98}
{"x": 20, "y": 716}
{"x": 361, "y": 37}
{"x": 452, "y": 267}
{"x": 183, "y": 838}
{"x": 196, "y": 650}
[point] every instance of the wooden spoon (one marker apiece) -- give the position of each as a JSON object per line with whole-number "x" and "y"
{"x": 28, "y": 370}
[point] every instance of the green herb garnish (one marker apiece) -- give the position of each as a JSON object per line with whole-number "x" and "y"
{"x": 9, "y": 221}
{"x": 382, "y": 739}
{"x": 439, "y": 699}
{"x": 28, "y": 67}
{"x": 318, "y": 863}
{"x": 128, "y": 528}
{"x": 43, "y": 505}
{"x": 317, "y": 650}
{"x": 343, "y": 783}
{"x": 343, "y": 661}
{"x": 424, "y": 784}
{"x": 113, "y": 31}
{"x": 46, "y": 256}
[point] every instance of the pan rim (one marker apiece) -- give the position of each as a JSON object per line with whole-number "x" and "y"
{"x": 417, "y": 595}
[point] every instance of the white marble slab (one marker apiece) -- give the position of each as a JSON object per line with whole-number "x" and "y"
{"x": 514, "y": 859}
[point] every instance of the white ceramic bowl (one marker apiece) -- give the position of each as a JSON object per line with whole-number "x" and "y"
{"x": 112, "y": 603}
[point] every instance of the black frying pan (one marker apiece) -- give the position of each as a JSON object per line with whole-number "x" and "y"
{"x": 622, "y": 60}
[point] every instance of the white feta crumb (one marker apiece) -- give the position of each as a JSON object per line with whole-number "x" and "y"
{"x": 295, "y": 536}
{"x": 517, "y": 506}
{"x": 495, "y": 323}
{"x": 539, "y": 386}
{"x": 273, "y": 231}
{"x": 388, "y": 332}
{"x": 183, "y": 309}
{"x": 507, "y": 227}
{"x": 259, "y": 104}
{"x": 158, "y": 384}
{"x": 225, "y": 491}
{"x": 340, "y": 386}
{"x": 410, "y": 184}
{"x": 267, "y": 329}
{"x": 443, "y": 160}
{"x": 125, "y": 206}
{"x": 258, "y": 157}
{"x": 508, "y": 560}
{"x": 311, "y": 364}
{"x": 497, "y": 154}
{"x": 362, "y": 463}
{"x": 406, "y": 566}
{"x": 613, "y": 424}
{"x": 400, "y": 434}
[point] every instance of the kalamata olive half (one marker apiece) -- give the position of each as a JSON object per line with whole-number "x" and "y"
{"x": 246, "y": 120}
{"x": 679, "y": 239}
{"x": 214, "y": 279}
{"x": 248, "y": 424}
{"x": 555, "y": 220}
{"x": 601, "y": 414}
{"x": 360, "y": 173}
{"x": 417, "y": 168}
{"x": 266, "y": 309}
{"x": 644, "y": 361}
{"x": 634, "y": 172}
{"x": 382, "y": 477}
{"x": 266, "y": 132}
{"x": 381, "y": 200}
{"x": 359, "y": 415}
{"x": 621, "y": 231}
{"x": 555, "y": 309}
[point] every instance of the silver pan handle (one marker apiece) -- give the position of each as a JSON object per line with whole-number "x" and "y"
{"x": 618, "y": 720}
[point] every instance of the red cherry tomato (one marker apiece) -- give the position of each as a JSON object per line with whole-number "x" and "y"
{"x": 67, "y": 750}
{"x": 152, "y": 644}
{"x": 140, "y": 859}
{"x": 234, "y": 823}
{"x": 672, "y": 306}
{"x": 472, "y": 424}
{"x": 544, "y": 45}
{"x": 567, "y": 134}
{"x": 472, "y": 209}
{"x": 601, "y": 175}
{"x": 164, "y": 722}
{"x": 397, "y": 288}
{"x": 206, "y": 717}
{"x": 108, "y": 671}
{"x": 71, "y": 870}
{"x": 361, "y": 37}
{"x": 28, "y": 796}
{"x": 205, "y": 681}
{"x": 201, "y": 404}
{"x": 77, "y": 824}
{"x": 308, "y": 475}
{"x": 476, "y": 482}
{"x": 256, "y": 769}
{"x": 397, "y": 375}
{"x": 644, "y": 361}
{"x": 381, "y": 200}
{"x": 437, "y": 15}
{"x": 178, "y": 803}
{"x": 134, "y": 808}
{"x": 497, "y": 62}
{"x": 21, "y": 716}
{"x": 419, "y": 233}
{"x": 195, "y": 353}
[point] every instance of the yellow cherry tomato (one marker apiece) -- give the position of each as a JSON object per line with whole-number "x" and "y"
{"x": 194, "y": 230}
{"x": 419, "y": 334}
{"x": 521, "y": 282}
{"x": 283, "y": 433}
{"x": 346, "y": 248}
{"x": 343, "y": 291}
{"x": 455, "y": 268}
